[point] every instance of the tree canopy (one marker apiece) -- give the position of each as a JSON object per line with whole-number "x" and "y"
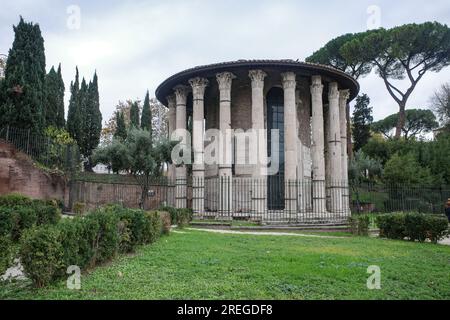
{"x": 22, "y": 104}
{"x": 440, "y": 103}
{"x": 362, "y": 119}
{"x": 137, "y": 155}
{"x": 418, "y": 121}
{"x": 404, "y": 52}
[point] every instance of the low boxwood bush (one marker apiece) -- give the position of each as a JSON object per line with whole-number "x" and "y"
{"x": 48, "y": 250}
{"x": 359, "y": 224}
{"x": 41, "y": 254}
{"x": 413, "y": 226}
{"x": 180, "y": 217}
{"x": 18, "y": 213}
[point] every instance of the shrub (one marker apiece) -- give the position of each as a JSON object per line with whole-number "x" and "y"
{"x": 359, "y": 224}
{"x": 180, "y": 217}
{"x": 392, "y": 225}
{"x": 166, "y": 221}
{"x": 48, "y": 212}
{"x": 414, "y": 226}
{"x": 14, "y": 199}
{"x": 79, "y": 208}
{"x": 106, "y": 243}
{"x": 41, "y": 254}
{"x": 7, "y": 253}
{"x": 48, "y": 250}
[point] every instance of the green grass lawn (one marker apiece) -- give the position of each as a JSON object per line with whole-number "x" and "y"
{"x": 202, "y": 265}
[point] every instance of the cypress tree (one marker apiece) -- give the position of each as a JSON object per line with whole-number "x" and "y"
{"x": 146, "y": 119}
{"x": 60, "y": 120}
{"x": 134, "y": 115}
{"x": 25, "y": 79}
{"x": 82, "y": 117}
{"x": 51, "y": 98}
{"x": 92, "y": 125}
{"x": 121, "y": 129}
{"x": 74, "y": 114}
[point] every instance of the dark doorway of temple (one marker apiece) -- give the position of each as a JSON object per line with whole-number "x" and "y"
{"x": 275, "y": 120}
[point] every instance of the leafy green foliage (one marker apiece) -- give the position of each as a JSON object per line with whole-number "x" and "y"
{"x": 434, "y": 155}
{"x": 121, "y": 128}
{"x": 361, "y": 121}
{"x": 405, "y": 169}
{"x": 41, "y": 254}
{"x": 54, "y": 99}
{"x": 202, "y": 265}
{"x": 137, "y": 155}
{"x": 359, "y": 224}
{"x": 134, "y": 115}
{"x": 408, "y": 51}
{"x": 23, "y": 87}
{"x": 87, "y": 241}
{"x": 414, "y": 226}
{"x": 363, "y": 168}
{"x": 418, "y": 121}
{"x": 7, "y": 253}
{"x": 146, "y": 119}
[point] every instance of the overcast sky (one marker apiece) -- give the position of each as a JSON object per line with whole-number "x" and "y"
{"x": 135, "y": 45}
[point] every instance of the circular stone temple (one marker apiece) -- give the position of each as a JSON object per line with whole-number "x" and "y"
{"x": 268, "y": 138}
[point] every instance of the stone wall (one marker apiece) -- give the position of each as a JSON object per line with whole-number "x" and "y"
{"x": 18, "y": 174}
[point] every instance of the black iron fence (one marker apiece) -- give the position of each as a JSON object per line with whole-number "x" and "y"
{"x": 269, "y": 200}
{"x": 391, "y": 197}
{"x": 42, "y": 149}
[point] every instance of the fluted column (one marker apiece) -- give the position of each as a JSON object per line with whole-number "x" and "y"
{"x": 259, "y": 185}
{"x": 198, "y": 168}
{"x": 290, "y": 141}
{"x": 318, "y": 160}
{"x": 171, "y": 117}
{"x": 344, "y": 95}
{"x": 181, "y": 93}
{"x": 225, "y": 80}
{"x": 334, "y": 150}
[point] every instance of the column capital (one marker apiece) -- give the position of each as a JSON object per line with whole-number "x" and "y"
{"x": 344, "y": 95}
{"x": 257, "y": 78}
{"x": 288, "y": 80}
{"x": 333, "y": 91}
{"x": 181, "y": 93}
{"x": 225, "y": 80}
{"x": 198, "y": 87}
{"x": 171, "y": 101}
{"x": 316, "y": 86}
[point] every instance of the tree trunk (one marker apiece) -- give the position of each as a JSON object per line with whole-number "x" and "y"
{"x": 401, "y": 121}
{"x": 349, "y": 133}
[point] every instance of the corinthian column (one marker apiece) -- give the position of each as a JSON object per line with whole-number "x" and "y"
{"x": 290, "y": 141}
{"x": 259, "y": 189}
{"x": 171, "y": 116}
{"x": 181, "y": 93}
{"x": 344, "y": 95}
{"x": 225, "y": 80}
{"x": 318, "y": 160}
{"x": 334, "y": 149}
{"x": 198, "y": 169}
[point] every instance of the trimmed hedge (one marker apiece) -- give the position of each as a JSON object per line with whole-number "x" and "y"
{"x": 18, "y": 213}
{"x": 359, "y": 224}
{"x": 414, "y": 226}
{"x": 47, "y": 251}
{"x": 180, "y": 217}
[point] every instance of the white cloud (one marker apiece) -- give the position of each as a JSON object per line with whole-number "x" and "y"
{"x": 135, "y": 45}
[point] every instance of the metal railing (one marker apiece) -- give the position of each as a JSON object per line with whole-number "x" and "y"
{"x": 268, "y": 200}
{"x": 42, "y": 149}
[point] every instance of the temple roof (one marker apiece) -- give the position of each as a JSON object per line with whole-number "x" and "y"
{"x": 302, "y": 68}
